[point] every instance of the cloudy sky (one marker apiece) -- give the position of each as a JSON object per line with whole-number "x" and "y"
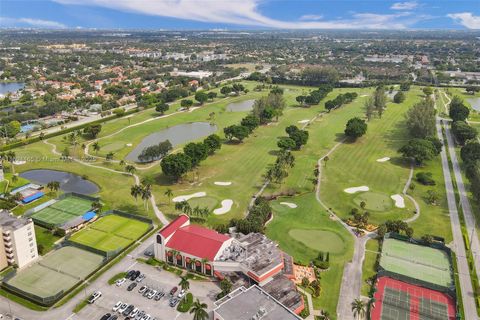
{"x": 241, "y": 14}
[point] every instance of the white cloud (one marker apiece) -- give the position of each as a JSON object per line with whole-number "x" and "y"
{"x": 29, "y": 22}
{"x": 467, "y": 19}
{"x": 408, "y": 5}
{"x": 244, "y": 12}
{"x": 311, "y": 17}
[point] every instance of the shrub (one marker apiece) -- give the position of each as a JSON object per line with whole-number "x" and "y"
{"x": 425, "y": 178}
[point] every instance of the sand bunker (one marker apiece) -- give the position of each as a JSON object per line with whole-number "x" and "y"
{"x": 289, "y": 204}
{"x": 19, "y": 162}
{"x": 222, "y": 183}
{"x": 226, "y": 206}
{"x": 189, "y": 196}
{"x": 129, "y": 144}
{"x": 356, "y": 189}
{"x": 364, "y": 95}
{"x": 399, "y": 201}
{"x": 304, "y": 121}
{"x": 384, "y": 159}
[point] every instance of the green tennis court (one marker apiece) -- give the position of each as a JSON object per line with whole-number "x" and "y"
{"x": 62, "y": 211}
{"x": 416, "y": 261}
{"x": 112, "y": 232}
{"x": 57, "y": 271}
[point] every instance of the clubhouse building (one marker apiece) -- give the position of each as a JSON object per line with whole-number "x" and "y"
{"x": 253, "y": 257}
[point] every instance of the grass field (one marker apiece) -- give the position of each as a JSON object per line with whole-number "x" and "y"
{"x": 460, "y": 92}
{"x": 312, "y": 221}
{"x": 369, "y": 264}
{"x": 111, "y": 233}
{"x": 56, "y": 272}
{"x": 46, "y": 238}
{"x": 416, "y": 261}
{"x": 63, "y": 211}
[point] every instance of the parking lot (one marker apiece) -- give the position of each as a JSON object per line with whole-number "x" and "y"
{"x": 156, "y": 279}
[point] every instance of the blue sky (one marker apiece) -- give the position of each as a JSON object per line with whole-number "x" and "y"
{"x": 241, "y": 14}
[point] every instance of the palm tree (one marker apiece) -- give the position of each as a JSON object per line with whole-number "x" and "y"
{"x": 184, "y": 284}
{"x": 96, "y": 147}
{"x": 169, "y": 194}
{"x": 146, "y": 193}
{"x": 135, "y": 191}
{"x": 121, "y": 163}
{"x": 53, "y": 186}
{"x": 109, "y": 156}
{"x": 325, "y": 160}
{"x": 130, "y": 169}
{"x": 197, "y": 211}
{"x": 358, "y": 308}
{"x": 198, "y": 310}
{"x": 10, "y": 157}
{"x": 14, "y": 179}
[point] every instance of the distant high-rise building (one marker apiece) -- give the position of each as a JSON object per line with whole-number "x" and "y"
{"x": 18, "y": 245}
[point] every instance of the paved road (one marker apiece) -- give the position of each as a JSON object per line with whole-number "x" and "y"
{"x": 464, "y": 203}
{"x": 458, "y": 246}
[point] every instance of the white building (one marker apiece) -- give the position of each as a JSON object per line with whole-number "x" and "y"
{"x": 18, "y": 245}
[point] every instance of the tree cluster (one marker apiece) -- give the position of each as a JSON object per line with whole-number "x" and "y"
{"x": 397, "y": 226}
{"x": 470, "y": 154}
{"x": 340, "y": 100}
{"x": 421, "y": 150}
{"x": 355, "y": 128}
{"x": 314, "y": 96}
{"x": 155, "y": 152}
{"x": 258, "y": 214}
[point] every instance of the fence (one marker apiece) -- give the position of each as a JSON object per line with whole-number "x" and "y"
{"x": 40, "y": 207}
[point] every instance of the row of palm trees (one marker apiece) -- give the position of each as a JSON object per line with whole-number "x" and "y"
{"x": 185, "y": 207}
{"x": 144, "y": 191}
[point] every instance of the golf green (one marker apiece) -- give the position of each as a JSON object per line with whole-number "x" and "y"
{"x": 319, "y": 240}
{"x": 375, "y": 201}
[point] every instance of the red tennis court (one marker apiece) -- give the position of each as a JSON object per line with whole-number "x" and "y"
{"x": 397, "y": 300}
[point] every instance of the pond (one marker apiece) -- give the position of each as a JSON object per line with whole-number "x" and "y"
{"x": 69, "y": 182}
{"x": 176, "y": 135}
{"x": 246, "y": 105}
{"x": 475, "y": 103}
{"x": 6, "y": 87}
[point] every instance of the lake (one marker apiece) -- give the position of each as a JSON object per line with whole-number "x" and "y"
{"x": 69, "y": 182}
{"x": 6, "y": 87}
{"x": 475, "y": 103}
{"x": 246, "y": 105}
{"x": 176, "y": 135}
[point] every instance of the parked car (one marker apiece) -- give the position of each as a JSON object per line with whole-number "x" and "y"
{"x": 133, "y": 313}
{"x": 172, "y": 292}
{"x": 140, "y": 278}
{"x": 119, "y": 282}
{"x": 94, "y": 297}
{"x": 130, "y": 274}
{"x": 142, "y": 289}
{"x": 148, "y": 253}
{"x": 159, "y": 295}
{"x": 105, "y": 316}
{"x": 128, "y": 310}
{"x": 151, "y": 294}
{"x": 122, "y": 308}
{"x": 113, "y": 317}
{"x": 140, "y": 315}
{"x": 135, "y": 275}
{"x": 117, "y": 306}
{"x": 131, "y": 286}
{"x": 146, "y": 317}
{"x": 182, "y": 294}
{"x": 173, "y": 302}
{"x": 146, "y": 292}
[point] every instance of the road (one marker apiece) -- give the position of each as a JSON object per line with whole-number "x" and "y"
{"x": 458, "y": 247}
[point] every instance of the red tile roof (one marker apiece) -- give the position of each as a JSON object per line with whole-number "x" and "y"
{"x": 197, "y": 241}
{"x": 173, "y": 226}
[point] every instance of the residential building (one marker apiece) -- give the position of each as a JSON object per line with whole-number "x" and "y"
{"x": 18, "y": 245}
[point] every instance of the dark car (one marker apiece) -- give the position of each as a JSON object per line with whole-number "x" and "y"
{"x": 130, "y": 274}
{"x": 172, "y": 292}
{"x": 131, "y": 286}
{"x": 128, "y": 310}
{"x": 113, "y": 317}
{"x": 106, "y": 316}
{"x": 146, "y": 292}
{"x": 135, "y": 275}
{"x": 159, "y": 295}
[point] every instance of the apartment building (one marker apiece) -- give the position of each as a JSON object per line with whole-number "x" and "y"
{"x": 18, "y": 245}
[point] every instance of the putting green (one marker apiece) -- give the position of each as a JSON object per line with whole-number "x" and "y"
{"x": 320, "y": 240}
{"x": 113, "y": 147}
{"x": 202, "y": 202}
{"x": 375, "y": 201}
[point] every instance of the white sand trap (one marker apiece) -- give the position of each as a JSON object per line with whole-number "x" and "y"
{"x": 19, "y": 162}
{"x": 385, "y": 159}
{"x": 356, "y": 189}
{"x": 399, "y": 201}
{"x": 129, "y": 144}
{"x": 289, "y": 204}
{"x": 226, "y": 206}
{"x": 189, "y": 196}
{"x": 364, "y": 95}
{"x": 223, "y": 183}
{"x": 304, "y": 121}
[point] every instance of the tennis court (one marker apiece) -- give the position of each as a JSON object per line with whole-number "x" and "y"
{"x": 62, "y": 211}
{"x": 111, "y": 232}
{"x": 57, "y": 271}
{"x": 417, "y": 262}
{"x": 397, "y": 300}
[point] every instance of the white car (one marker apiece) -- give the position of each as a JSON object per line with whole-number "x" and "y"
{"x": 140, "y": 278}
{"x": 182, "y": 294}
{"x": 117, "y": 306}
{"x": 151, "y": 294}
{"x": 94, "y": 297}
{"x": 122, "y": 308}
{"x": 119, "y": 282}
{"x": 133, "y": 313}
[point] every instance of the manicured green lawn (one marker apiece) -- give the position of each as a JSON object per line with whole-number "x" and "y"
{"x": 45, "y": 238}
{"x": 355, "y": 164}
{"x": 308, "y": 216}
{"x": 319, "y": 240}
{"x": 369, "y": 264}
{"x": 8, "y": 184}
